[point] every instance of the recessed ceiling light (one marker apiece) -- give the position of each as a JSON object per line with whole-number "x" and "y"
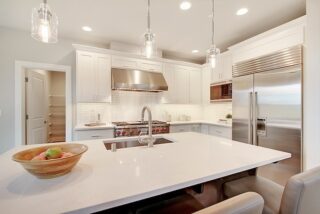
{"x": 86, "y": 28}
{"x": 195, "y": 51}
{"x": 242, "y": 11}
{"x": 185, "y": 5}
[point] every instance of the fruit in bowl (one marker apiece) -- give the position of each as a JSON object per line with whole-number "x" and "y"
{"x": 51, "y": 160}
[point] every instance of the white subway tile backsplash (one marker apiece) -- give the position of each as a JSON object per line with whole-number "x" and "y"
{"x": 127, "y": 106}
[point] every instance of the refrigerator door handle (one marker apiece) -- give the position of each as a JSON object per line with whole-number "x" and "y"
{"x": 254, "y": 119}
{"x": 250, "y": 119}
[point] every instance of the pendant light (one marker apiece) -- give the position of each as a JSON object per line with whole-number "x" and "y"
{"x": 44, "y": 24}
{"x": 149, "y": 38}
{"x": 212, "y": 52}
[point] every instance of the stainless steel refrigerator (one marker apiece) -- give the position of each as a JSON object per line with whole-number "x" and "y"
{"x": 267, "y": 108}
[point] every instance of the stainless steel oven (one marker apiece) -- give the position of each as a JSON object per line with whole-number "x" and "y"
{"x": 221, "y": 92}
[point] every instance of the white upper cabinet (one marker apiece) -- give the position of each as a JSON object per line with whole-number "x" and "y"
{"x": 132, "y": 63}
{"x": 184, "y": 84}
{"x": 93, "y": 77}
{"x": 206, "y": 80}
{"x": 223, "y": 70}
{"x": 169, "y": 75}
{"x": 195, "y": 86}
{"x": 181, "y": 80}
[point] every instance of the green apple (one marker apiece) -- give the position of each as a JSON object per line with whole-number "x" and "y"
{"x": 53, "y": 153}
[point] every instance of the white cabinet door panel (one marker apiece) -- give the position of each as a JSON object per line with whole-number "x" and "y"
{"x": 195, "y": 86}
{"x": 103, "y": 69}
{"x": 86, "y": 77}
{"x": 220, "y": 131}
{"x": 182, "y": 85}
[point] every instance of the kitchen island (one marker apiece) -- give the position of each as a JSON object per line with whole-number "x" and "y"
{"x": 104, "y": 179}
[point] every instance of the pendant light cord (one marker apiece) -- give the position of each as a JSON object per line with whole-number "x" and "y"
{"x": 212, "y": 38}
{"x": 148, "y": 18}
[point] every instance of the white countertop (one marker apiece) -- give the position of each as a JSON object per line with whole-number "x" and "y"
{"x": 82, "y": 127}
{"x": 104, "y": 179}
{"x": 207, "y": 122}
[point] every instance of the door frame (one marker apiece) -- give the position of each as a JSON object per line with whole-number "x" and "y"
{"x": 20, "y": 120}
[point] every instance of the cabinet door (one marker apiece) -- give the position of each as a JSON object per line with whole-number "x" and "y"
{"x": 170, "y": 95}
{"x": 181, "y": 81}
{"x": 103, "y": 81}
{"x": 220, "y": 131}
{"x": 206, "y": 80}
{"x": 195, "y": 86}
{"x": 179, "y": 128}
{"x": 227, "y": 66}
{"x": 85, "y": 77}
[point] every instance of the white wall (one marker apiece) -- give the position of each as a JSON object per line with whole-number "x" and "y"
{"x": 18, "y": 45}
{"x": 312, "y": 87}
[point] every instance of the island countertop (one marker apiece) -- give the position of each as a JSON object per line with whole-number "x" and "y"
{"x": 104, "y": 179}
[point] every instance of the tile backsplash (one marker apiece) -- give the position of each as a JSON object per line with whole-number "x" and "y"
{"x": 127, "y": 106}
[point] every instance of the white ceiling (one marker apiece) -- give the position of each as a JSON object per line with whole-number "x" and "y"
{"x": 177, "y": 32}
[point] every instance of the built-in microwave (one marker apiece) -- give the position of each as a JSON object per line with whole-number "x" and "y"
{"x": 221, "y": 92}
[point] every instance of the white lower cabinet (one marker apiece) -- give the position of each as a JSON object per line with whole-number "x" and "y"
{"x": 220, "y": 131}
{"x": 93, "y": 134}
{"x": 214, "y": 130}
{"x": 185, "y": 128}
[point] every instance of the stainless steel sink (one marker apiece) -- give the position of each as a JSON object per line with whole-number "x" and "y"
{"x": 133, "y": 143}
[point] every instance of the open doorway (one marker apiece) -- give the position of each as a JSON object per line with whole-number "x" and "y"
{"x": 45, "y": 106}
{"x": 43, "y": 109}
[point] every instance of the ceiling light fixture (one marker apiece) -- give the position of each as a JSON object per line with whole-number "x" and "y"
{"x": 44, "y": 24}
{"x": 87, "y": 28}
{"x": 149, "y": 38}
{"x": 242, "y": 11}
{"x": 212, "y": 52}
{"x": 185, "y": 5}
{"x": 195, "y": 51}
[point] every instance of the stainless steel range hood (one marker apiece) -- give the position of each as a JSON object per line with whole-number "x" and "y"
{"x": 137, "y": 80}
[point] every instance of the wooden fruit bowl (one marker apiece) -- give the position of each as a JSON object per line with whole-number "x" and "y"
{"x": 53, "y": 167}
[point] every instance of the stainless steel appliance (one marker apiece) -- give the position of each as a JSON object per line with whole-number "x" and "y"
{"x": 267, "y": 108}
{"x": 221, "y": 92}
{"x": 137, "y": 80}
{"x": 125, "y": 129}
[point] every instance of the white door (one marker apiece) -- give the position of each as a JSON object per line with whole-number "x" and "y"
{"x": 36, "y": 108}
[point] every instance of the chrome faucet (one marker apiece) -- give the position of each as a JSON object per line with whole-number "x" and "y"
{"x": 150, "y": 139}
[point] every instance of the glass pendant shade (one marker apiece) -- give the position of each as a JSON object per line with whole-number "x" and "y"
{"x": 212, "y": 54}
{"x": 44, "y": 24}
{"x": 149, "y": 45}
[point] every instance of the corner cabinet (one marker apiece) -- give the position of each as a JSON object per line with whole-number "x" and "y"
{"x": 93, "y": 77}
{"x": 184, "y": 84}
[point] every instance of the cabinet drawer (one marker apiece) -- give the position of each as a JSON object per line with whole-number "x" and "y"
{"x": 179, "y": 128}
{"x": 94, "y": 134}
{"x": 150, "y": 66}
{"x": 220, "y": 131}
{"x": 123, "y": 62}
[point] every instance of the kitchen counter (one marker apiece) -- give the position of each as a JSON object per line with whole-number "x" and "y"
{"x": 207, "y": 122}
{"x": 104, "y": 179}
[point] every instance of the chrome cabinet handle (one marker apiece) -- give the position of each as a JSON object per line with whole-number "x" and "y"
{"x": 250, "y": 120}
{"x": 255, "y": 119}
